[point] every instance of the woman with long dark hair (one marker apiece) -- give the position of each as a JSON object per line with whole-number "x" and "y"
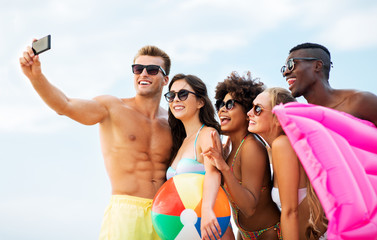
{"x": 192, "y": 119}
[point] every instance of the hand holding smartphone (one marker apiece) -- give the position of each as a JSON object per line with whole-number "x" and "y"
{"x": 42, "y": 45}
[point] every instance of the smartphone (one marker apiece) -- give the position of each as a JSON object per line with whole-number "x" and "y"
{"x": 42, "y": 45}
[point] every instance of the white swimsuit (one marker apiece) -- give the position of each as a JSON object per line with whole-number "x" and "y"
{"x": 301, "y": 196}
{"x": 276, "y": 198}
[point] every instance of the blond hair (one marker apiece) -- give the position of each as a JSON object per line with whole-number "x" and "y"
{"x": 317, "y": 216}
{"x": 155, "y": 52}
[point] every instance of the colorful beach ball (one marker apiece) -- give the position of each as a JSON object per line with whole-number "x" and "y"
{"x": 176, "y": 209}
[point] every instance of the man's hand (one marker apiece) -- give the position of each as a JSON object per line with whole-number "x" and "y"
{"x": 30, "y": 64}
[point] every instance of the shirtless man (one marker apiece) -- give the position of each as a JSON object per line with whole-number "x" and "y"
{"x": 135, "y": 138}
{"x": 307, "y": 72}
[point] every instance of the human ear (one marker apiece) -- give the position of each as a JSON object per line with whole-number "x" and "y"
{"x": 166, "y": 80}
{"x": 318, "y": 65}
{"x": 276, "y": 122}
{"x": 201, "y": 103}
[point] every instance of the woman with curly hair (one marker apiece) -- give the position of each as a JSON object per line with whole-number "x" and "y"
{"x": 246, "y": 170}
{"x": 302, "y": 216}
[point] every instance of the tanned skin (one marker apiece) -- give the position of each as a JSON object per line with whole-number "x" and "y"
{"x": 308, "y": 79}
{"x": 134, "y": 132}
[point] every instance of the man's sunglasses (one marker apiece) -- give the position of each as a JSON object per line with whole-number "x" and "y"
{"x": 151, "y": 69}
{"x": 291, "y": 63}
{"x": 257, "y": 109}
{"x": 229, "y": 105}
{"x": 182, "y": 95}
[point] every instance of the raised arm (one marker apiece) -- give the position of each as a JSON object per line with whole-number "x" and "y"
{"x": 287, "y": 172}
{"x": 87, "y": 112}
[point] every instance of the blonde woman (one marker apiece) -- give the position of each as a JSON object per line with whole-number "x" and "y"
{"x": 302, "y": 216}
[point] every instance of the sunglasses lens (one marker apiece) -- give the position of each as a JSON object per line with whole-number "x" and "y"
{"x": 137, "y": 69}
{"x": 290, "y": 64}
{"x": 169, "y": 96}
{"x": 257, "y": 110}
{"x": 183, "y": 94}
{"x": 152, "y": 70}
{"x": 229, "y": 104}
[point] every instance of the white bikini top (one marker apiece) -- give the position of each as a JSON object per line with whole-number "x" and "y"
{"x": 276, "y": 198}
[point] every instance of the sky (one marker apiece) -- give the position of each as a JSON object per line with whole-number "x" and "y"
{"x": 53, "y": 183}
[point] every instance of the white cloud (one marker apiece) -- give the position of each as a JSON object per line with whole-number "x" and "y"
{"x": 344, "y": 25}
{"x": 197, "y": 48}
{"x": 353, "y": 31}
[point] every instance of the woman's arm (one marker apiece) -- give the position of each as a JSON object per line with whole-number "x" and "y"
{"x": 210, "y": 228}
{"x": 253, "y": 162}
{"x": 287, "y": 173}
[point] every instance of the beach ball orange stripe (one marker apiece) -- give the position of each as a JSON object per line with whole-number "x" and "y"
{"x": 221, "y": 209}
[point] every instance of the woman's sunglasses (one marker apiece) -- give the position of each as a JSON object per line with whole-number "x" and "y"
{"x": 257, "y": 109}
{"x": 182, "y": 95}
{"x": 151, "y": 69}
{"x": 229, "y": 105}
{"x": 291, "y": 63}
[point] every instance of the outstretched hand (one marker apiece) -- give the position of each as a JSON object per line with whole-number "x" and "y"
{"x": 215, "y": 153}
{"x": 30, "y": 64}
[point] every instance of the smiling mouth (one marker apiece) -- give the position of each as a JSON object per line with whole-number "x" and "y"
{"x": 178, "y": 108}
{"x": 291, "y": 81}
{"x": 144, "y": 82}
{"x": 224, "y": 120}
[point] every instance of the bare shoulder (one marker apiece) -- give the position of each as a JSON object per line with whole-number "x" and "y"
{"x": 352, "y": 94}
{"x": 281, "y": 143}
{"x": 105, "y": 98}
{"x": 206, "y": 130}
{"x": 363, "y": 97}
{"x": 121, "y": 111}
{"x": 361, "y": 104}
{"x": 253, "y": 149}
{"x": 205, "y": 138}
{"x": 112, "y": 102}
{"x": 283, "y": 152}
{"x": 108, "y": 99}
{"x": 253, "y": 143}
